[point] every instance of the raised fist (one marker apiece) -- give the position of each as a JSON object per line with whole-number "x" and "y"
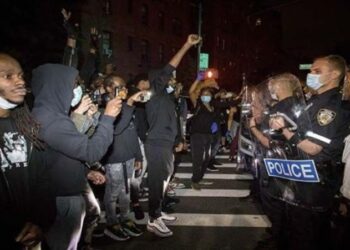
{"x": 194, "y": 39}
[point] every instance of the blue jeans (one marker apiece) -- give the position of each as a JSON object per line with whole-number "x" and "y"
{"x": 116, "y": 191}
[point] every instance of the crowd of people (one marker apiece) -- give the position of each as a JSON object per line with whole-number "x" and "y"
{"x": 87, "y": 128}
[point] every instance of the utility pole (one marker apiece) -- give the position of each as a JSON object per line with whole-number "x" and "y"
{"x": 200, "y": 10}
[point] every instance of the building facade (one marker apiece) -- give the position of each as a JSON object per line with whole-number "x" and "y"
{"x": 140, "y": 35}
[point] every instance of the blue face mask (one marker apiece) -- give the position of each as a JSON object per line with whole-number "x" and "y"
{"x": 313, "y": 81}
{"x": 170, "y": 89}
{"x": 205, "y": 98}
{"x": 78, "y": 93}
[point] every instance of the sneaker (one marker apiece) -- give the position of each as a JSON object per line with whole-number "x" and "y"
{"x": 116, "y": 232}
{"x": 168, "y": 218}
{"x": 139, "y": 214}
{"x": 179, "y": 185}
{"x": 159, "y": 228}
{"x": 196, "y": 186}
{"x": 176, "y": 180}
{"x": 131, "y": 228}
{"x": 170, "y": 191}
{"x": 205, "y": 183}
{"x": 143, "y": 196}
{"x": 212, "y": 168}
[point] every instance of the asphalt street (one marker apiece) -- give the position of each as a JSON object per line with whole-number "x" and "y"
{"x": 217, "y": 217}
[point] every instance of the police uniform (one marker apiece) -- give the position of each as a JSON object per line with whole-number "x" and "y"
{"x": 309, "y": 217}
{"x": 272, "y": 188}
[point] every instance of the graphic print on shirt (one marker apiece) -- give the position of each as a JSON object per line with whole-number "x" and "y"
{"x": 14, "y": 151}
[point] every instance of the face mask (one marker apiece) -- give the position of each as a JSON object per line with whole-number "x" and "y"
{"x": 205, "y": 98}
{"x": 170, "y": 89}
{"x": 78, "y": 93}
{"x": 5, "y": 104}
{"x": 313, "y": 81}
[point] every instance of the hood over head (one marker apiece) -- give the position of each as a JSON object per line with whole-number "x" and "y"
{"x": 52, "y": 87}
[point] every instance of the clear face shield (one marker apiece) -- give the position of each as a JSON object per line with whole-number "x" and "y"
{"x": 279, "y": 110}
{"x": 346, "y": 87}
{"x": 246, "y": 145}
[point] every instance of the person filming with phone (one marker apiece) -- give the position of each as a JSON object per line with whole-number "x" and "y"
{"x": 120, "y": 162}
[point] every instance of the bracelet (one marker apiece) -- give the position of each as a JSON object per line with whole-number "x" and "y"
{"x": 252, "y": 127}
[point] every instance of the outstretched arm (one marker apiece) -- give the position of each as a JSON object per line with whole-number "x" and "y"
{"x": 191, "y": 41}
{"x": 161, "y": 80}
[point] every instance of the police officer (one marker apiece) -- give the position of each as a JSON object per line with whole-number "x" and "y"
{"x": 309, "y": 218}
{"x": 281, "y": 90}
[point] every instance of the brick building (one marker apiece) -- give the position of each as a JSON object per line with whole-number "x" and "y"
{"x": 144, "y": 34}
{"x": 140, "y": 35}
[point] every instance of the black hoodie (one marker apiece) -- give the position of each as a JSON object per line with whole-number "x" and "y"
{"x": 125, "y": 144}
{"x": 161, "y": 110}
{"x": 52, "y": 86}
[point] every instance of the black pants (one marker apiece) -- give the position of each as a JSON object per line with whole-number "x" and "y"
{"x": 134, "y": 192}
{"x": 160, "y": 166}
{"x": 308, "y": 229}
{"x": 215, "y": 144}
{"x": 276, "y": 212}
{"x": 200, "y": 149}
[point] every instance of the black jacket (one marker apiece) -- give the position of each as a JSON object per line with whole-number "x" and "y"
{"x": 52, "y": 86}
{"x": 140, "y": 117}
{"x": 125, "y": 144}
{"x": 160, "y": 109}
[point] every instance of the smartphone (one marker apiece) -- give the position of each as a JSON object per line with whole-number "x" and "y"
{"x": 117, "y": 92}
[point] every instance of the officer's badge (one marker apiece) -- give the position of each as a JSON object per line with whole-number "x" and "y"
{"x": 325, "y": 116}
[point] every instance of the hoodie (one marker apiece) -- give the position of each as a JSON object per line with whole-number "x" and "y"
{"x": 52, "y": 86}
{"x": 140, "y": 116}
{"x": 161, "y": 110}
{"x": 125, "y": 134}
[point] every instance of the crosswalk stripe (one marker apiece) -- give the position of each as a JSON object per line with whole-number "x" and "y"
{"x": 232, "y": 193}
{"x": 222, "y": 157}
{"x": 213, "y": 220}
{"x": 224, "y": 165}
{"x": 218, "y": 176}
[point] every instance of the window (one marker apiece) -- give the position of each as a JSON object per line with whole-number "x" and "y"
{"x": 161, "y": 21}
{"x": 130, "y": 6}
{"x": 107, "y": 43}
{"x": 144, "y": 14}
{"x": 161, "y": 53}
{"x": 144, "y": 52}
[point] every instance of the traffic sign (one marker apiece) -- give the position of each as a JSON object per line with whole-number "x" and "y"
{"x": 204, "y": 61}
